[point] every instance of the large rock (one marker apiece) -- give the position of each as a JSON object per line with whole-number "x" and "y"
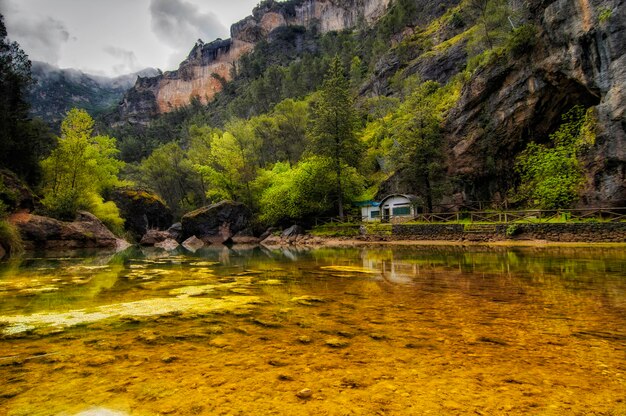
{"x": 293, "y": 231}
{"x": 142, "y": 210}
{"x": 86, "y": 231}
{"x": 216, "y": 223}
{"x": 154, "y": 237}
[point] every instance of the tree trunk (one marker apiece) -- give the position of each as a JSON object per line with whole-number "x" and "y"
{"x": 339, "y": 192}
{"x": 429, "y": 196}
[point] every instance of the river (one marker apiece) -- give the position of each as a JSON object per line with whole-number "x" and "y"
{"x": 330, "y": 331}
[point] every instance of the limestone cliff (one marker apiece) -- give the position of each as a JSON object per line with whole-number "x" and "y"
{"x": 580, "y": 58}
{"x": 208, "y": 65}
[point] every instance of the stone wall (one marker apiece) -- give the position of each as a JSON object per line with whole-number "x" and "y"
{"x": 571, "y": 232}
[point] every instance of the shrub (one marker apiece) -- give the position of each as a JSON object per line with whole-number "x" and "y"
{"x": 513, "y": 230}
{"x": 10, "y": 238}
{"x": 522, "y": 40}
{"x": 108, "y": 213}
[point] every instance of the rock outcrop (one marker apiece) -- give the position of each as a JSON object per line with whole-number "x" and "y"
{"x": 579, "y": 58}
{"x": 209, "y": 65}
{"x": 141, "y": 210}
{"x": 86, "y": 231}
{"x": 216, "y": 223}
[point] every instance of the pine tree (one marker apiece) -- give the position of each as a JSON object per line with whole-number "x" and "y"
{"x": 333, "y": 125}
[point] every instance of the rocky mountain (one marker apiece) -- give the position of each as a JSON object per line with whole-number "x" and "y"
{"x": 56, "y": 90}
{"x": 210, "y": 65}
{"x": 572, "y": 53}
{"x": 579, "y": 58}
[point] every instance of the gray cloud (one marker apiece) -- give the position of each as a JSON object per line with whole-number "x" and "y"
{"x": 127, "y": 60}
{"x": 179, "y": 24}
{"x": 41, "y": 37}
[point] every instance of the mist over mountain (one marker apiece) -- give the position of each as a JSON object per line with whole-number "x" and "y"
{"x": 55, "y": 91}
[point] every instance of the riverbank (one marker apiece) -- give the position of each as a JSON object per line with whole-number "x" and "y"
{"x": 346, "y": 241}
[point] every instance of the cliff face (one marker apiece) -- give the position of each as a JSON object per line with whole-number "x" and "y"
{"x": 208, "y": 65}
{"x": 580, "y": 58}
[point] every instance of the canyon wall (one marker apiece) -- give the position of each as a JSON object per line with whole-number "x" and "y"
{"x": 579, "y": 59}
{"x": 208, "y": 65}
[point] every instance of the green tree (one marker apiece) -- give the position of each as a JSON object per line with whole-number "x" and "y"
{"x": 172, "y": 175}
{"x": 492, "y": 21}
{"x": 292, "y": 193}
{"x": 80, "y": 168}
{"x": 415, "y": 130}
{"x": 232, "y": 163}
{"x": 333, "y": 124}
{"x": 552, "y": 176}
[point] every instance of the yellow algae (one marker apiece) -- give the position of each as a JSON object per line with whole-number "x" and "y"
{"x": 204, "y": 263}
{"x": 143, "y": 308}
{"x": 187, "y": 291}
{"x": 350, "y": 269}
{"x": 270, "y": 282}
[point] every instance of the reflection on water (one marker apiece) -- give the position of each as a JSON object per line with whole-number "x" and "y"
{"x": 401, "y": 331}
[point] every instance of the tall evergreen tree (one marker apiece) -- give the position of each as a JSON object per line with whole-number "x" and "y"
{"x": 333, "y": 125}
{"x": 22, "y": 141}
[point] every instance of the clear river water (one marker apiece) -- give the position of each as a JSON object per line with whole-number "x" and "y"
{"x": 439, "y": 330}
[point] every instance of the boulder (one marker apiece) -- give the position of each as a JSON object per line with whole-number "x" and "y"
{"x": 176, "y": 231}
{"x": 267, "y": 233}
{"x": 86, "y": 231}
{"x": 153, "y": 237}
{"x": 141, "y": 210}
{"x": 168, "y": 245}
{"x": 193, "y": 244}
{"x": 245, "y": 237}
{"x": 293, "y": 231}
{"x": 216, "y": 223}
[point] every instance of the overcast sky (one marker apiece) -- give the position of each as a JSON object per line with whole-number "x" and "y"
{"x": 114, "y": 37}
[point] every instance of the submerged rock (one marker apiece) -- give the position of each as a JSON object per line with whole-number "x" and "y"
{"x": 336, "y": 343}
{"x": 168, "y": 245}
{"x": 304, "y": 394}
{"x": 216, "y": 223}
{"x": 193, "y": 244}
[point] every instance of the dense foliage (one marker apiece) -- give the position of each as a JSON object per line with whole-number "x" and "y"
{"x": 551, "y": 174}
{"x": 79, "y": 170}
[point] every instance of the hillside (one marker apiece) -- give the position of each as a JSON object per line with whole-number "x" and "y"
{"x": 54, "y": 91}
{"x": 519, "y": 66}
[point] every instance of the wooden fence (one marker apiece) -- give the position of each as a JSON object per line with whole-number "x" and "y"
{"x": 496, "y": 217}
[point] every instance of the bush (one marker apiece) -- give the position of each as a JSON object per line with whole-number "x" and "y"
{"x": 63, "y": 204}
{"x": 523, "y": 40}
{"x": 513, "y": 230}
{"x": 108, "y": 213}
{"x": 10, "y": 238}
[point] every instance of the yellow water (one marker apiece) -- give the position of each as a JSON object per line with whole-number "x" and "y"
{"x": 403, "y": 331}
